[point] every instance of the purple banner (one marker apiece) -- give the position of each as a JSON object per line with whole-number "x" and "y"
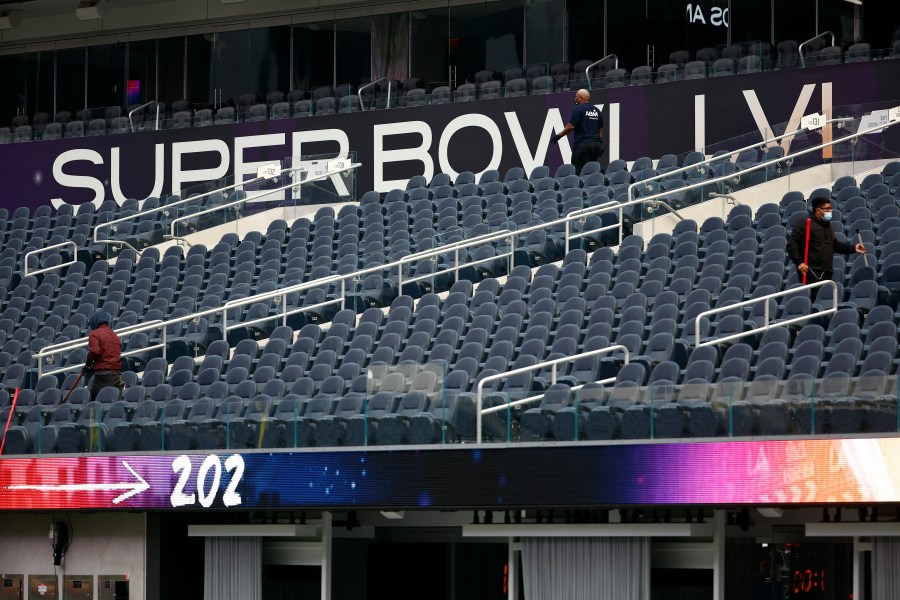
{"x": 394, "y": 145}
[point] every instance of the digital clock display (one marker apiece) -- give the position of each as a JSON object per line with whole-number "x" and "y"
{"x": 819, "y": 571}
{"x": 808, "y": 581}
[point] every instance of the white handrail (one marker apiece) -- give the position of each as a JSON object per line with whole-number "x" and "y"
{"x": 362, "y": 104}
{"x": 815, "y": 37}
{"x": 191, "y": 216}
{"x": 142, "y": 107}
{"x": 594, "y": 64}
{"x": 720, "y": 158}
{"x": 479, "y": 392}
{"x": 493, "y": 237}
{"x": 73, "y": 344}
{"x": 168, "y": 206}
{"x": 766, "y": 316}
{"x": 503, "y": 235}
{"x": 53, "y": 247}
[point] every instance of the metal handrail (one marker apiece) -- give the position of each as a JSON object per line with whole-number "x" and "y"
{"x": 241, "y": 201}
{"x": 479, "y": 392}
{"x": 171, "y": 205}
{"x": 498, "y": 236}
{"x": 580, "y": 213}
{"x": 141, "y": 327}
{"x": 370, "y": 84}
{"x": 766, "y": 325}
{"x": 53, "y": 247}
{"x": 815, "y": 37}
{"x": 73, "y": 344}
{"x": 594, "y": 64}
{"x": 762, "y": 145}
{"x": 142, "y": 107}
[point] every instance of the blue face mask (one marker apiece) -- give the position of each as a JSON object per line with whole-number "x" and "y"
{"x": 827, "y": 215}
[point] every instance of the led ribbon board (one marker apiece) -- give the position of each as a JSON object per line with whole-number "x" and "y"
{"x": 804, "y": 471}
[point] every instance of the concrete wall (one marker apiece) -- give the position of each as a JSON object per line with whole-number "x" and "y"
{"x": 102, "y": 544}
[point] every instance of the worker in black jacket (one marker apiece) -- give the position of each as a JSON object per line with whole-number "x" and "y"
{"x": 822, "y": 244}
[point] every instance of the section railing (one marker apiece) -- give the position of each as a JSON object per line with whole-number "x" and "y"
{"x": 359, "y": 93}
{"x": 815, "y": 37}
{"x": 55, "y": 267}
{"x": 190, "y": 200}
{"x": 142, "y": 107}
{"x": 508, "y": 236}
{"x": 766, "y": 313}
{"x": 479, "y": 391}
{"x": 74, "y": 344}
{"x": 260, "y": 195}
{"x": 511, "y": 236}
{"x": 763, "y": 144}
{"x": 157, "y": 324}
{"x": 594, "y": 64}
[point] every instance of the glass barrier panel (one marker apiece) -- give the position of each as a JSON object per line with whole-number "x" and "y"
{"x": 799, "y": 406}
{"x": 419, "y": 404}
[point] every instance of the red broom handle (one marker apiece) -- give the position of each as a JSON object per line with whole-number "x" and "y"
{"x": 806, "y": 251}
{"x": 8, "y": 419}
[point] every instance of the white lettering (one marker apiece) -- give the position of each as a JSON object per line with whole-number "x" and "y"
{"x": 419, "y": 153}
{"x": 242, "y": 168}
{"x": 179, "y": 149}
{"x": 461, "y": 122}
{"x": 159, "y": 174}
{"x": 319, "y": 135}
{"x": 719, "y": 17}
{"x": 696, "y": 15}
{"x": 793, "y": 124}
{"x": 613, "y": 132}
{"x": 700, "y": 122}
{"x": 552, "y": 123}
{"x": 79, "y": 181}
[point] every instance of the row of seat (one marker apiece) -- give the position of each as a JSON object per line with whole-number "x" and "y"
{"x": 520, "y": 202}
{"x": 134, "y": 288}
{"x": 698, "y": 260}
{"x": 486, "y": 84}
{"x": 530, "y": 317}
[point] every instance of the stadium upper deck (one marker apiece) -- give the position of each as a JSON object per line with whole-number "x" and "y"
{"x": 226, "y": 449}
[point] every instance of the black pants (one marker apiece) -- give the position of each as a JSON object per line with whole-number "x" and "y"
{"x": 585, "y": 153}
{"x": 814, "y": 276}
{"x": 102, "y": 379}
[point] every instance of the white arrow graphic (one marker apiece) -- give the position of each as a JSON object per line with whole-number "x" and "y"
{"x": 133, "y": 489}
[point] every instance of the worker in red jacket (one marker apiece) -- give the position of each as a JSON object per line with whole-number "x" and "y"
{"x": 104, "y": 358}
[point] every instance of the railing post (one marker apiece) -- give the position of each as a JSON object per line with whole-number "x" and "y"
{"x": 478, "y": 403}
{"x": 621, "y": 225}
{"x": 479, "y": 393}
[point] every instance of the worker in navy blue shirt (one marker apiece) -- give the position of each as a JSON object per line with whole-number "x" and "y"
{"x": 587, "y": 123}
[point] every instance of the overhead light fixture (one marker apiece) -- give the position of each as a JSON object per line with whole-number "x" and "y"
{"x": 9, "y": 20}
{"x": 232, "y": 1}
{"x": 89, "y": 10}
